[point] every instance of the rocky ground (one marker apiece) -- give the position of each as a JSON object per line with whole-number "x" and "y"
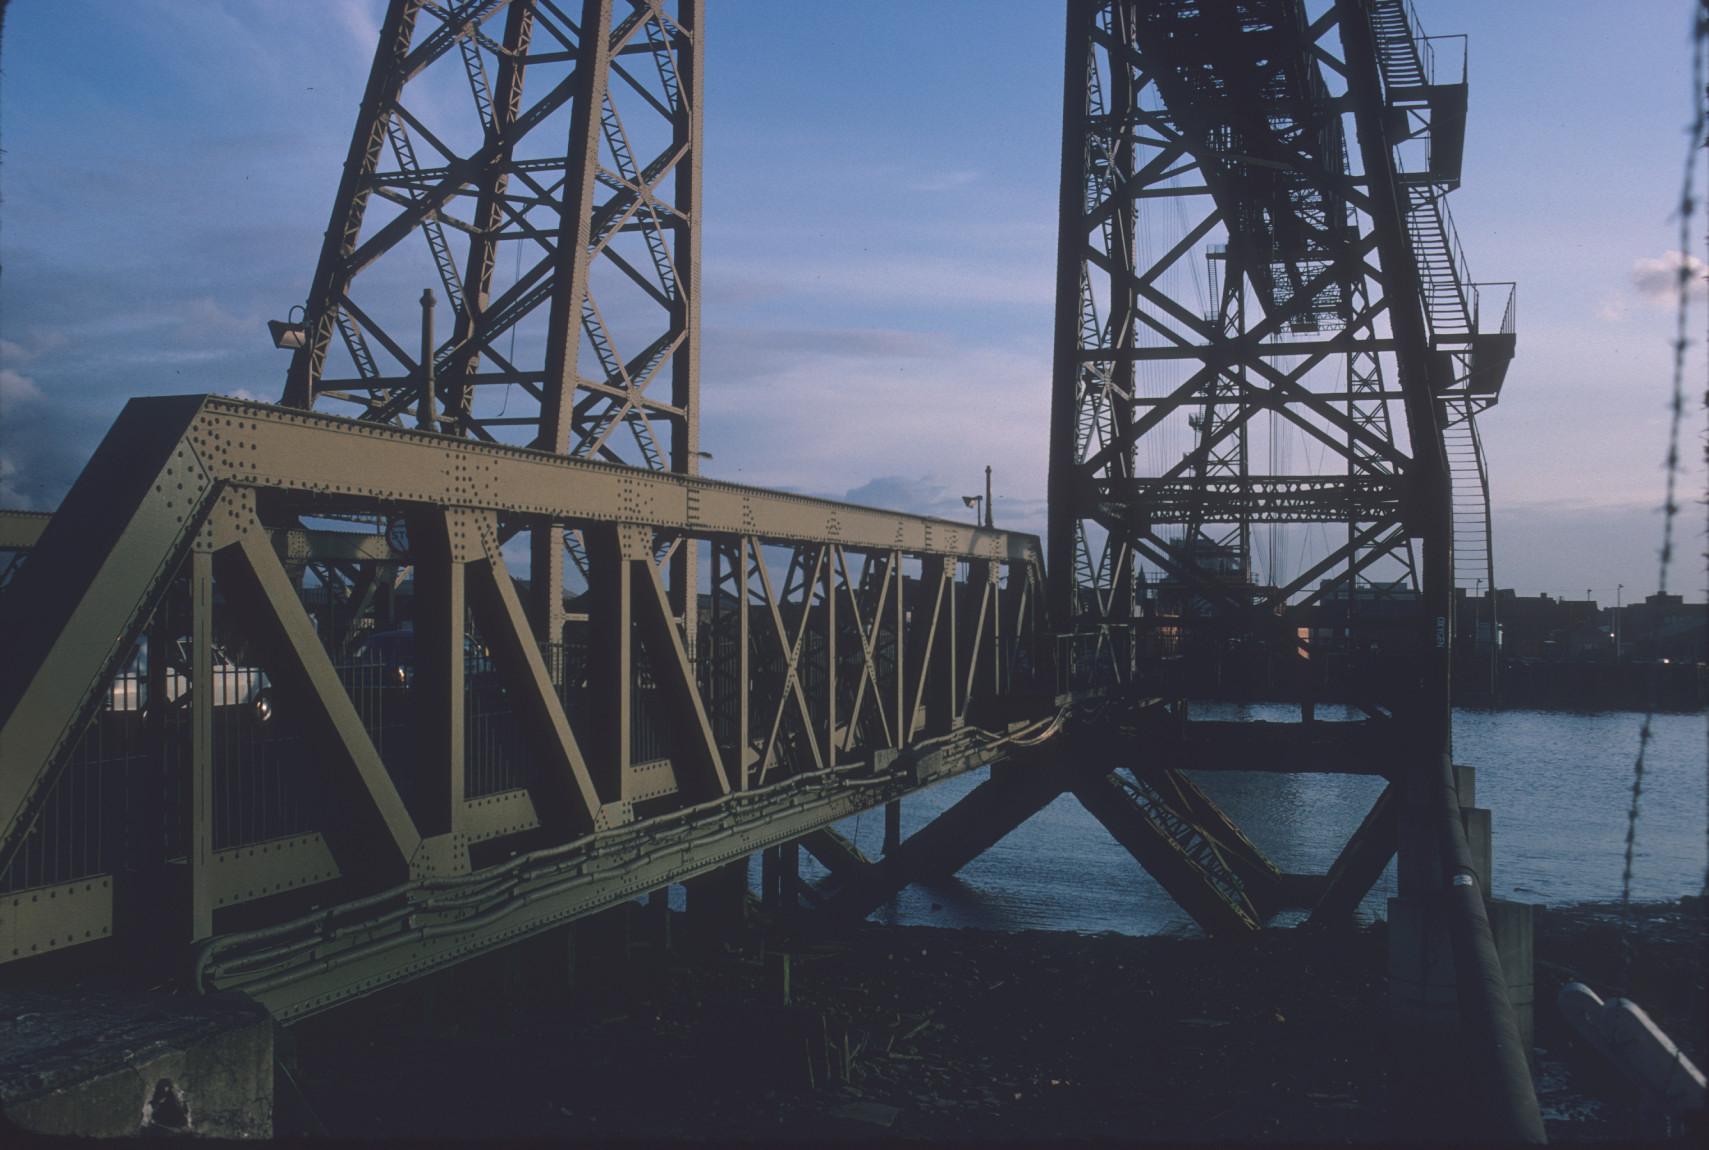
{"x": 925, "y": 1033}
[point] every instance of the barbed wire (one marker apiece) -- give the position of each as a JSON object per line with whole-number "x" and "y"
{"x": 1670, "y": 504}
{"x": 1703, "y": 94}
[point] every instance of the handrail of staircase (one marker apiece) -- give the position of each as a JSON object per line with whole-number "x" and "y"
{"x": 1462, "y": 272}
{"x": 1510, "y": 306}
{"x": 1415, "y": 29}
{"x": 1428, "y": 43}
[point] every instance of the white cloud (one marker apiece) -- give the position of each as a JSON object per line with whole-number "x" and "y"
{"x": 932, "y": 495}
{"x": 888, "y": 418}
{"x": 38, "y": 342}
{"x": 946, "y": 181}
{"x": 970, "y": 279}
{"x": 15, "y": 387}
{"x": 1657, "y": 280}
{"x": 1611, "y": 310}
{"x": 10, "y": 495}
{"x": 205, "y": 320}
{"x": 359, "y": 20}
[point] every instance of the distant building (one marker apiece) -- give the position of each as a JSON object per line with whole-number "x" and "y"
{"x": 1374, "y": 619}
{"x": 1661, "y": 627}
{"x": 1543, "y": 627}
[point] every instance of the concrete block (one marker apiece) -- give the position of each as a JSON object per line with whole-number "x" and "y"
{"x": 89, "y": 1065}
{"x": 1423, "y": 997}
{"x": 1466, "y": 784}
{"x": 1511, "y": 923}
{"x": 1480, "y": 838}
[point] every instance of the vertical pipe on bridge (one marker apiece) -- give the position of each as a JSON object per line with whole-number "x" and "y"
{"x": 1435, "y": 864}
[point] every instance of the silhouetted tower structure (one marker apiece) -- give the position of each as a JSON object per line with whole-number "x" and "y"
{"x": 1269, "y": 358}
{"x": 538, "y": 163}
{"x": 1255, "y": 265}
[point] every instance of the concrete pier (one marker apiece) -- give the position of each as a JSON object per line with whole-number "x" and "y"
{"x": 93, "y": 1065}
{"x": 1423, "y": 994}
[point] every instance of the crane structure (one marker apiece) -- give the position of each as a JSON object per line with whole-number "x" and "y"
{"x": 453, "y": 647}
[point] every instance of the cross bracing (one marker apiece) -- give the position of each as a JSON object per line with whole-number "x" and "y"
{"x": 534, "y": 162}
{"x": 1218, "y": 222}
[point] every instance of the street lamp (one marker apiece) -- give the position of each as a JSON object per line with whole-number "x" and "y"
{"x": 1618, "y": 588}
{"x": 975, "y": 502}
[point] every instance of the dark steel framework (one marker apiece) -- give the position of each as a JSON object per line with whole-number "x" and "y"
{"x": 1254, "y": 226}
{"x": 1254, "y": 235}
{"x": 1229, "y": 265}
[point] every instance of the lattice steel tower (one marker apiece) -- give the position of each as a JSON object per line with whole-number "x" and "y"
{"x": 546, "y": 178}
{"x": 1255, "y": 263}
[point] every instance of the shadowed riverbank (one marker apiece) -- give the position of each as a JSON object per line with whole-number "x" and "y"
{"x": 960, "y": 1035}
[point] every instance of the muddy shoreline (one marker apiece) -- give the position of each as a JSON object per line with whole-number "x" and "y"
{"x": 940, "y": 1034}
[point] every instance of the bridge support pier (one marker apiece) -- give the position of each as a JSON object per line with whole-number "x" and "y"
{"x": 1190, "y": 885}
{"x": 780, "y": 878}
{"x": 1423, "y": 999}
{"x": 1361, "y": 862}
{"x": 717, "y": 905}
{"x": 657, "y": 916}
{"x": 1015, "y": 792}
{"x": 100, "y": 1065}
{"x": 836, "y": 854}
{"x": 1425, "y": 1007}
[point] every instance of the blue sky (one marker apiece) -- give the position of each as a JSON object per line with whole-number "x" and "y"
{"x": 878, "y": 242}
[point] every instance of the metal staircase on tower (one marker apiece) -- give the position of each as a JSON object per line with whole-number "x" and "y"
{"x": 1474, "y": 554}
{"x": 1425, "y": 95}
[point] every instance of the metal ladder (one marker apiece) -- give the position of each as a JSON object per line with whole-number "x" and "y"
{"x": 1441, "y": 278}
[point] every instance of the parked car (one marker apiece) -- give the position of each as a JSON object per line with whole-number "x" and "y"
{"x": 233, "y": 685}
{"x": 387, "y": 659}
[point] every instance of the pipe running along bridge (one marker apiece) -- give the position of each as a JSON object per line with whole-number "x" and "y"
{"x": 453, "y": 645}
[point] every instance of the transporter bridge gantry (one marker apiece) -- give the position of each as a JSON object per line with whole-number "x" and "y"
{"x": 454, "y": 645}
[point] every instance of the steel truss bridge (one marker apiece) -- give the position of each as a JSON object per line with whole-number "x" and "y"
{"x": 453, "y": 645}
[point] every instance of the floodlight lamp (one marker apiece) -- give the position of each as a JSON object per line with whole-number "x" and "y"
{"x": 290, "y": 336}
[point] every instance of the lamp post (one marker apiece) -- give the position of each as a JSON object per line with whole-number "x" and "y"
{"x": 1618, "y": 588}
{"x": 425, "y": 418}
{"x": 981, "y": 519}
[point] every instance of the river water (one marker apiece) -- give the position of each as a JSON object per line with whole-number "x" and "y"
{"x": 1559, "y": 784}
